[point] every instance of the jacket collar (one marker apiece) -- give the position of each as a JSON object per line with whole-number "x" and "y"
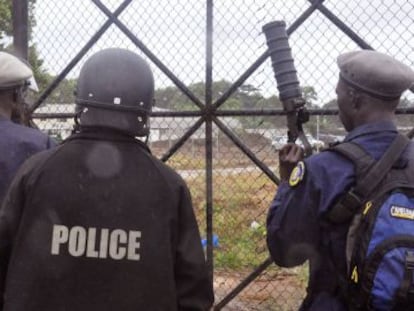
{"x": 95, "y": 133}
{"x": 371, "y": 128}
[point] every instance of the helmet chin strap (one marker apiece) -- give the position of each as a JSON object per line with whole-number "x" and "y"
{"x": 76, "y": 127}
{"x": 146, "y": 139}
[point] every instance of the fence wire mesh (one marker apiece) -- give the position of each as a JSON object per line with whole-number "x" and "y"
{"x": 171, "y": 35}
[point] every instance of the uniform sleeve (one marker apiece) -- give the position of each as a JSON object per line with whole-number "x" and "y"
{"x": 10, "y": 213}
{"x": 292, "y": 226}
{"x": 51, "y": 143}
{"x": 12, "y": 209}
{"x": 194, "y": 288}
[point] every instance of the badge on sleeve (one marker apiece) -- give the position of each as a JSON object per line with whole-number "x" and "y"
{"x": 297, "y": 174}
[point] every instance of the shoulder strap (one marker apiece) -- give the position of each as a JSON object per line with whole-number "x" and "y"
{"x": 354, "y": 152}
{"x": 381, "y": 168}
{"x": 369, "y": 175}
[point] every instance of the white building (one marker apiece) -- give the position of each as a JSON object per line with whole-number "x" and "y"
{"x": 56, "y": 127}
{"x": 162, "y": 128}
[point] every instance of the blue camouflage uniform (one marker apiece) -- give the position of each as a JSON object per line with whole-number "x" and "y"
{"x": 17, "y": 143}
{"x": 296, "y": 229}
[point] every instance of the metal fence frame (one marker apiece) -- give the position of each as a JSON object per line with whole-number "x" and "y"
{"x": 208, "y": 112}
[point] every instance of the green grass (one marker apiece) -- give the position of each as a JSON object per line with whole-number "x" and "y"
{"x": 238, "y": 201}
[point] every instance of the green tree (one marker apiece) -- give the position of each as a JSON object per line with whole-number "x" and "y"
{"x": 332, "y": 104}
{"x": 6, "y": 31}
{"x": 271, "y": 102}
{"x": 172, "y": 98}
{"x": 246, "y": 96}
{"x": 6, "y": 19}
{"x": 310, "y": 96}
{"x": 233, "y": 103}
{"x": 41, "y": 75}
{"x": 64, "y": 92}
{"x": 165, "y": 97}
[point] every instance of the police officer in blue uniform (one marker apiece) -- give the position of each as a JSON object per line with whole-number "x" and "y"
{"x": 98, "y": 223}
{"x": 368, "y": 92}
{"x": 17, "y": 142}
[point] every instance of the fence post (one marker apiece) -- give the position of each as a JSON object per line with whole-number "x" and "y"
{"x": 20, "y": 28}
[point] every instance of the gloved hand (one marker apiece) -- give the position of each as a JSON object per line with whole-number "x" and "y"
{"x": 289, "y": 156}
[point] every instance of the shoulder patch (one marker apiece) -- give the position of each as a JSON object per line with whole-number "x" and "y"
{"x": 297, "y": 174}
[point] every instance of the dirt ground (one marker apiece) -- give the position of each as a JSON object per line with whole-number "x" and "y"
{"x": 223, "y": 147}
{"x": 279, "y": 292}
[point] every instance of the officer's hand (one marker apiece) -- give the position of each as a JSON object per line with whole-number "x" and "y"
{"x": 289, "y": 156}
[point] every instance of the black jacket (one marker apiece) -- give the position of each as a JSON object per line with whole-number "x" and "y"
{"x": 100, "y": 224}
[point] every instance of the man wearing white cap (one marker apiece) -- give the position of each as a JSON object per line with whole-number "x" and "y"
{"x": 17, "y": 142}
{"x": 368, "y": 91}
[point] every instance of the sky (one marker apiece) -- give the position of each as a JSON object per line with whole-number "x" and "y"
{"x": 175, "y": 31}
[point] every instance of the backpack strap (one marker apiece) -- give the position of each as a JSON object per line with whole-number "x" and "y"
{"x": 369, "y": 174}
{"x": 405, "y": 295}
{"x": 354, "y": 152}
{"x": 383, "y": 166}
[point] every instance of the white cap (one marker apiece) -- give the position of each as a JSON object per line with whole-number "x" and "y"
{"x": 14, "y": 72}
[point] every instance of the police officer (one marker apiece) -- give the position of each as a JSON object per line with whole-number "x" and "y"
{"x": 368, "y": 91}
{"x": 99, "y": 223}
{"x": 17, "y": 142}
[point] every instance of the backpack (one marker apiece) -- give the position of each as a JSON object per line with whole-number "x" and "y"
{"x": 380, "y": 238}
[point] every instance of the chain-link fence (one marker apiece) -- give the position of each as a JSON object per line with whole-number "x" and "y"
{"x": 217, "y": 119}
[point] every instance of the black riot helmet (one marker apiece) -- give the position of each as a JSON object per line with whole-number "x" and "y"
{"x": 115, "y": 90}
